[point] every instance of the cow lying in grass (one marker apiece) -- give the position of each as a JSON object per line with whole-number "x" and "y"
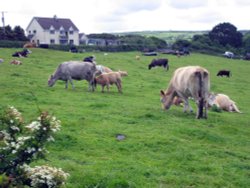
{"x": 223, "y": 102}
{"x": 190, "y": 81}
{"x": 16, "y": 62}
{"x": 107, "y": 79}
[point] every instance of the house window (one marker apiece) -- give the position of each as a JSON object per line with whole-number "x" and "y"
{"x": 34, "y": 31}
{"x": 71, "y": 41}
{"x": 29, "y": 32}
{"x": 71, "y": 32}
{"x": 61, "y": 32}
{"x": 52, "y": 31}
{"x": 52, "y": 41}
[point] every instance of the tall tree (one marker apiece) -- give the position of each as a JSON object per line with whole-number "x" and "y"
{"x": 226, "y": 34}
{"x": 19, "y": 34}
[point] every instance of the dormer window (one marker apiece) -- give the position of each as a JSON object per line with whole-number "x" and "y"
{"x": 62, "y": 32}
{"x": 71, "y": 31}
{"x": 52, "y": 30}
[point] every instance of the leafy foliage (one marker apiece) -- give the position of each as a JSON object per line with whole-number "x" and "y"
{"x": 20, "y": 145}
{"x": 16, "y": 34}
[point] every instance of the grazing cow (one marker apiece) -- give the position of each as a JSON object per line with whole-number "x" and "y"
{"x": 74, "y": 70}
{"x": 159, "y": 62}
{"x": 23, "y": 53}
{"x": 224, "y": 73}
{"x": 190, "y": 81}
{"x": 90, "y": 59}
{"x": 107, "y": 79}
{"x": 16, "y": 62}
{"x": 29, "y": 45}
{"x": 223, "y": 102}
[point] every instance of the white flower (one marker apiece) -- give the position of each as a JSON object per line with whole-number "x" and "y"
{"x": 35, "y": 125}
{"x": 46, "y": 176}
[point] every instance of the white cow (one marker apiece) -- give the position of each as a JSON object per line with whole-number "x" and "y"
{"x": 222, "y": 101}
{"x": 190, "y": 81}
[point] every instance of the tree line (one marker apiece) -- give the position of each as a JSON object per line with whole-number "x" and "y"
{"x": 223, "y": 37}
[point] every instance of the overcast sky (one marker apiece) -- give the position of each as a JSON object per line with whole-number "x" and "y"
{"x": 107, "y": 16}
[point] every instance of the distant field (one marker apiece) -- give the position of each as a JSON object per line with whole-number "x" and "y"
{"x": 170, "y": 36}
{"x": 161, "y": 148}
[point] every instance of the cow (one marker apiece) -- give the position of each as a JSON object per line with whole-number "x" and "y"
{"x": 223, "y": 102}
{"x": 16, "y": 62}
{"x": 159, "y": 62}
{"x": 74, "y": 70}
{"x": 189, "y": 81}
{"x": 107, "y": 79}
{"x": 224, "y": 73}
{"x": 90, "y": 59}
{"x": 29, "y": 45}
{"x": 23, "y": 53}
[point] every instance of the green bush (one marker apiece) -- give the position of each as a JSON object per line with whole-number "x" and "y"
{"x": 11, "y": 44}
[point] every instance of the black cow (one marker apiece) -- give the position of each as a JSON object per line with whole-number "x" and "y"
{"x": 159, "y": 62}
{"x": 90, "y": 59}
{"x": 224, "y": 73}
{"x": 23, "y": 53}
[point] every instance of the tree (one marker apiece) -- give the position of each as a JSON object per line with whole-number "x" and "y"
{"x": 181, "y": 44}
{"x": 19, "y": 34}
{"x": 226, "y": 34}
{"x": 246, "y": 42}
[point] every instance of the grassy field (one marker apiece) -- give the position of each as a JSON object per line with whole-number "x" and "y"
{"x": 161, "y": 148}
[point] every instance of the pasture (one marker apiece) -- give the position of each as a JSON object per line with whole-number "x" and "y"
{"x": 161, "y": 148}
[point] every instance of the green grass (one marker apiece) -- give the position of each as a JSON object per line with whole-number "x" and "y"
{"x": 161, "y": 148}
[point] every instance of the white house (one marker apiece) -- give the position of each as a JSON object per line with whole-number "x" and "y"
{"x": 52, "y": 31}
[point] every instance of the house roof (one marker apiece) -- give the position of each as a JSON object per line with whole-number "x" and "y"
{"x": 57, "y": 23}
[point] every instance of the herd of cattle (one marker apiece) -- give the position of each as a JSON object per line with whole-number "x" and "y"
{"x": 190, "y": 82}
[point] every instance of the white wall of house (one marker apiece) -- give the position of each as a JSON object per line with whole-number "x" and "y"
{"x": 42, "y": 36}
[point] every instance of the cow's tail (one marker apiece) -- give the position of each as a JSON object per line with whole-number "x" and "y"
{"x": 200, "y": 95}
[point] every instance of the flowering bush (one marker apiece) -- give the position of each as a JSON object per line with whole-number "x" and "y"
{"x": 20, "y": 145}
{"x": 45, "y": 176}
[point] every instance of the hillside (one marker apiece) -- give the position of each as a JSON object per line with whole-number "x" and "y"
{"x": 160, "y": 149}
{"x": 169, "y": 36}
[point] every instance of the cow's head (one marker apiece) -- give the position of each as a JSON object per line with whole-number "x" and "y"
{"x": 51, "y": 81}
{"x": 167, "y": 99}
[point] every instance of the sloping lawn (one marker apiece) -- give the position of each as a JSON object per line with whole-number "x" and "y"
{"x": 161, "y": 148}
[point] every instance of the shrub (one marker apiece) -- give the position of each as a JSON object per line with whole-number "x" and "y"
{"x": 20, "y": 145}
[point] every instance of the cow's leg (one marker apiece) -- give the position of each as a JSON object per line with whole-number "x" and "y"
{"x": 103, "y": 88}
{"x": 119, "y": 86}
{"x": 66, "y": 84}
{"x": 108, "y": 87}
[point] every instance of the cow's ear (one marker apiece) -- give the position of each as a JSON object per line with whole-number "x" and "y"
{"x": 162, "y": 93}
